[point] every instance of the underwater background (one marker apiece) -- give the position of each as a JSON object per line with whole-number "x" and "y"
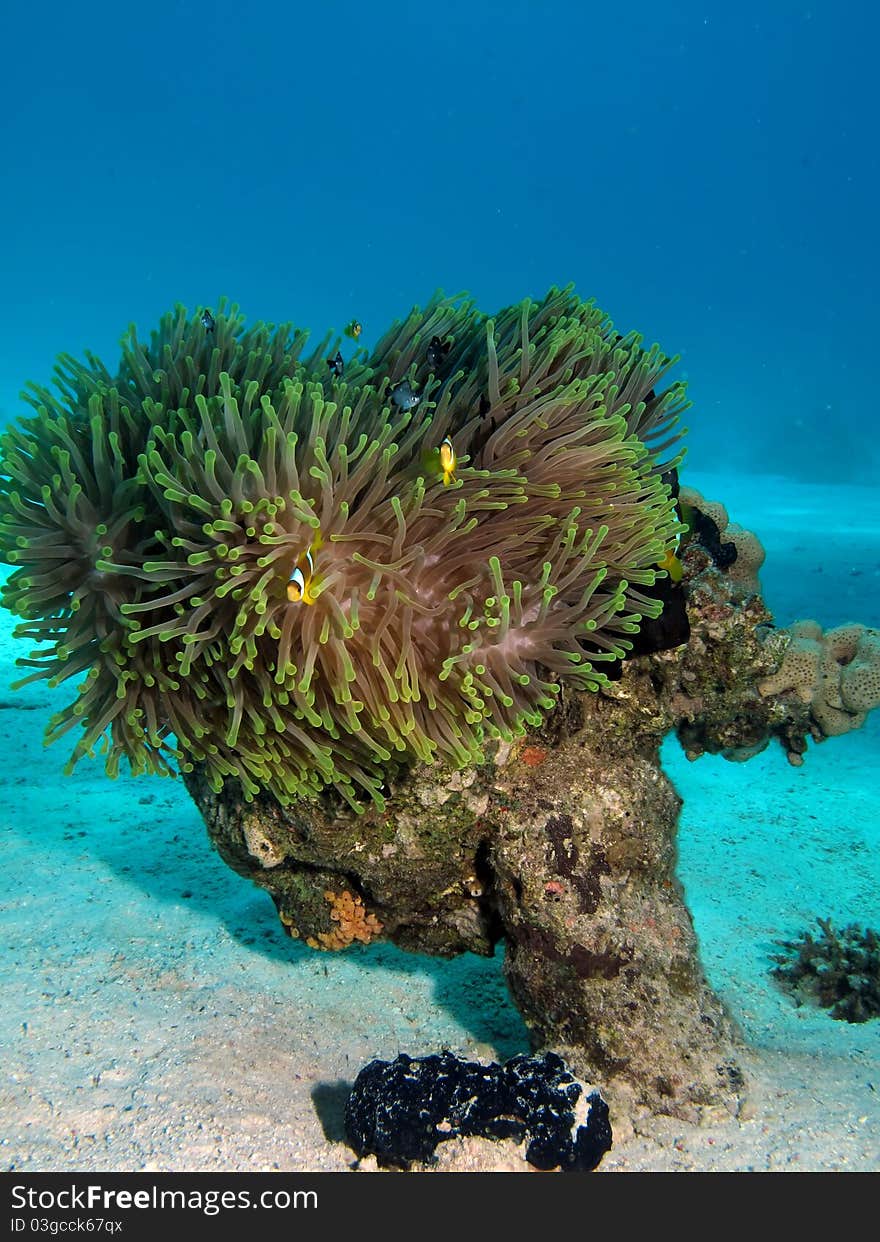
{"x": 710, "y": 175}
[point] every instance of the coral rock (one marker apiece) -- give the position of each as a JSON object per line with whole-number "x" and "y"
{"x": 743, "y": 551}
{"x": 837, "y": 673}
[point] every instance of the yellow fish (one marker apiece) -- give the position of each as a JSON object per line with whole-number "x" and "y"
{"x": 672, "y": 565}
{"x": 447, "y": 461}
{"x": 353, "y": 329}
{"x": 441, "y": 461}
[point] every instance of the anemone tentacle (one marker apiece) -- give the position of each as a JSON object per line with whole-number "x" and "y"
{"x": 256, "y": 564}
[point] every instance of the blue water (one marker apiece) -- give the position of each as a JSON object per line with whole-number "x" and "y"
{"x": 708, "y": 172}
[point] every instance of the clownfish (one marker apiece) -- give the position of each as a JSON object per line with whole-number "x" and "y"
{"x": 672, "y": 565}
{"x": 301, "y": 576}
{"x": 447, "y": 461}
{"x": 353, "y": 330}
{"x": 441, "y": 460}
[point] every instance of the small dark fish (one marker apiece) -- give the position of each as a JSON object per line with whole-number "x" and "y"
{"x": 437, "y": 351}
{"x": 336, "y": 365}
{"x": 670, "y": 478}
{"x": 485, "y": 405}
{"x": 207, "y": 320}
{"x": 404, "y": 396}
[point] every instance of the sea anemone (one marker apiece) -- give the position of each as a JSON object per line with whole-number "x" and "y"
{"x": 156, "y": 520}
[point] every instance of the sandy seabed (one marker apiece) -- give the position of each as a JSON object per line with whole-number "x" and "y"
{"x": 156, "y": 1017}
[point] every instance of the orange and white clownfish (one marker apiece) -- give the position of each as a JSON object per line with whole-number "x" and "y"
{"x": 301, "y": 577}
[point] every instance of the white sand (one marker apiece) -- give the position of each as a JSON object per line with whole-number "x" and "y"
{"x": 156, "y": 1017}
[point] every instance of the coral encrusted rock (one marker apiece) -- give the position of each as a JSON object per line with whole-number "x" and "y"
{"x": 561, "y": 844}
{"x": 734, "y": 549}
